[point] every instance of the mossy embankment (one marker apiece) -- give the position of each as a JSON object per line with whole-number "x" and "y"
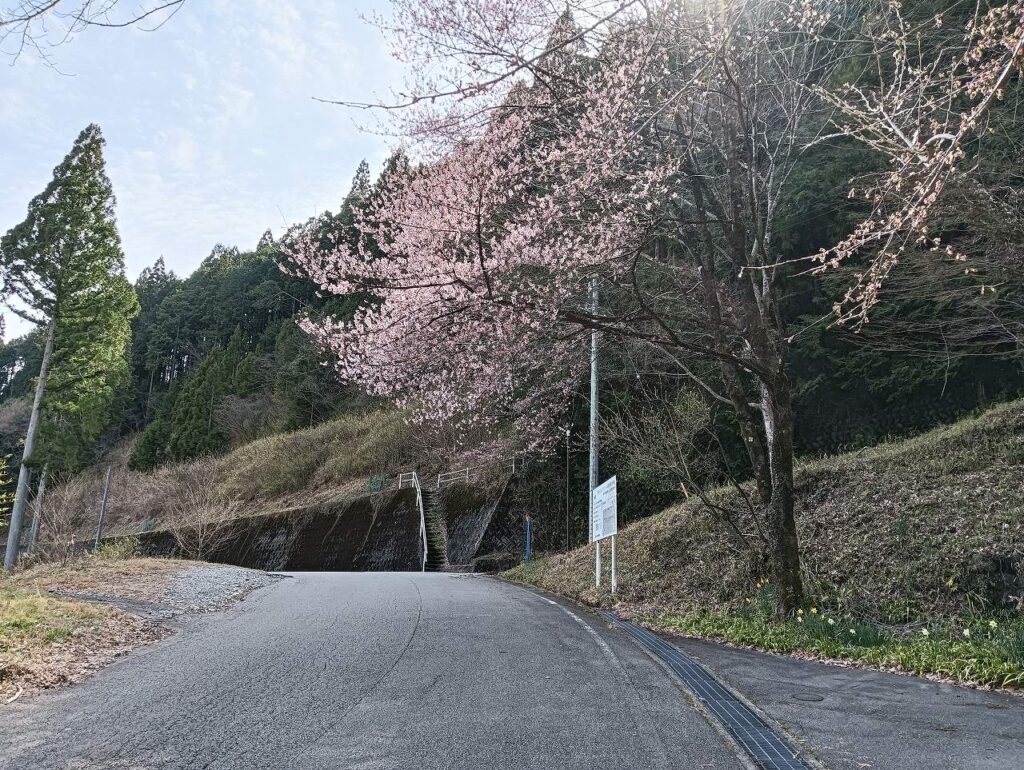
{"x": 910, "y": 543}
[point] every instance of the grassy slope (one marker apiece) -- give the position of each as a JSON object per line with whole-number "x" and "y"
{"x": 335, "y": 459}
{"x": 898, "y": 537}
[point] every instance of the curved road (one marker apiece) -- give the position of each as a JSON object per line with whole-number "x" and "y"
{"x": 373, "y": 670}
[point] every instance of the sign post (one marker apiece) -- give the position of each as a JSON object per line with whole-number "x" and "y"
{"x": 604, "y": 523}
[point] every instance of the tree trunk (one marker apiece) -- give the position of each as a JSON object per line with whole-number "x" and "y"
{"x": 36, "y": 519}
{"x": 777, "y": 407}
{"x": 21, "y": 496}
{"x": 149, "y": 396}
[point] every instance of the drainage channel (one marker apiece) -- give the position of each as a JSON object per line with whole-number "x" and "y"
{"x": 769, "y": 749}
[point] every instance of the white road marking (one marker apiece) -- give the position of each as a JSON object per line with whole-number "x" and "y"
{"x": 597, "y": 638}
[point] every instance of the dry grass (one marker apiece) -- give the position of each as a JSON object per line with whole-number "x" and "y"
{"x": 47, "y": 641}
{"x": 138, "y": 579}
{"x": 931, "y": 527}
{"x": 330, "y": 461}
{"x": 328, "y": 455}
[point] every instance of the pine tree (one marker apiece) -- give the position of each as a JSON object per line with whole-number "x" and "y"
{"x": 152, "y": 350}
{"x": 62, "y": 268}
{"x": 266, "y": 241}
{"x": 360, "y": 185}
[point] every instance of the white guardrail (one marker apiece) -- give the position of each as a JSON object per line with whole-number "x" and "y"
{"x": 464, "y": 474}
{"x": 413, "y": 480}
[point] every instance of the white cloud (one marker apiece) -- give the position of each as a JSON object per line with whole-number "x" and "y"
{"x": 212, "y": 132}
{"x": 180, "y": 148}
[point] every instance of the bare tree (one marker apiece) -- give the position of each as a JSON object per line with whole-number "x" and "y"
{"x": 246, "y": 418}
{"x": 63, "y": 514}
{"x": 197, "y": 515}
{"x": 39, "y": 25}
{"x": 662, "y": 431}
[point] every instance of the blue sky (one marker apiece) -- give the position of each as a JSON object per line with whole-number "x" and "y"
{"x": 212, "y": 131}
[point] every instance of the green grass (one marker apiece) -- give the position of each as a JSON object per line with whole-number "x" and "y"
{"x": 980, "y": 651}
{"x": 923, "y": 533}
{"x": 988, "y": 656}
{"x": 30, "y": 620}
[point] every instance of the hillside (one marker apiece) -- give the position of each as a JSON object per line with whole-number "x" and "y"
{"x": 926, "y": 529}
{"x": 336, "y": 459}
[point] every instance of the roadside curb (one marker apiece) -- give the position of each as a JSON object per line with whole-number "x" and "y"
{"x": 761, "y": 738}
{"x": 800, "y": 757}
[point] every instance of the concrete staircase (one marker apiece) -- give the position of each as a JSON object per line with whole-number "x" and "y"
{"x": 437, "y": 532}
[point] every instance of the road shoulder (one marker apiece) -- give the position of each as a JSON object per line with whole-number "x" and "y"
{"x": 60, "y": 623}
{"x": 853, "y": 719}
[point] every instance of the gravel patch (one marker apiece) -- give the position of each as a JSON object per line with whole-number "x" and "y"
{"x": 192, "y": 590}
{"x": 203, "y": 589}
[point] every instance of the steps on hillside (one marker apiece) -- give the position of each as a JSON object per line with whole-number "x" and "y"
{"x": 437, "y": 532}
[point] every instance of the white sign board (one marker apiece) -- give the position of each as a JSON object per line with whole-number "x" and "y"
{"x": 604, "y": 512}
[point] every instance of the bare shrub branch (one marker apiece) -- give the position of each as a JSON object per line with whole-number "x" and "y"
{"x": 40, "y": 25}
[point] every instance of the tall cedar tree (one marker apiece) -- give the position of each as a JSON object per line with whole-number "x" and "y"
{"x": 62, "y": 268}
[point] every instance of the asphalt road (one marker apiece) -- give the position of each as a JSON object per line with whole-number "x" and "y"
{"x": 374, "y": 670}
{"x": 872, "y": 720}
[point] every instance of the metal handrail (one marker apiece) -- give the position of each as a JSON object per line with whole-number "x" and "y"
{"x": 464, "y": 473}
{"x": 444, "y": 478}
{"x": 414, "y": 480}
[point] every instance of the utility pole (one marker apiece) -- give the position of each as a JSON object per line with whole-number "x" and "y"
{"x": 593, "y": 425}
{"x": 568, "y": 433}
{"x": 103, "y": 507}
{"x": 21, "y": 494}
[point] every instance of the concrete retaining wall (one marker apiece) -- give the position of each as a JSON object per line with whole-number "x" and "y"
{"x": 479, "y": 520}
{"x": 377, "y": 532}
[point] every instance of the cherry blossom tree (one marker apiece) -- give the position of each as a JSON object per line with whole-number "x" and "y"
{"x": 926, "y": 99}
{"x": 642, "y": 148}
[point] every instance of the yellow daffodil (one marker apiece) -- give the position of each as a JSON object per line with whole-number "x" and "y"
{"x": 992, "y": 624}
{"x": 799, "y": 612}
{"x": 814, "y": 610}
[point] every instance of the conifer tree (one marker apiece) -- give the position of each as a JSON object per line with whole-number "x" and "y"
{"x": 62, "y": 269}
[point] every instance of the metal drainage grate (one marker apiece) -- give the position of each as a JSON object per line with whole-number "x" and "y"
{"x": 765, "y": 746}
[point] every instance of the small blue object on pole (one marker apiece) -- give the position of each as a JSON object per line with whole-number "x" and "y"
{"x": 528, "y": 537}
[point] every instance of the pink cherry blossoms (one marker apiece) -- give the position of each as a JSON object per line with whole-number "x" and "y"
{"x": 920, "y": 113}
{"x": 488, "y": 252}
